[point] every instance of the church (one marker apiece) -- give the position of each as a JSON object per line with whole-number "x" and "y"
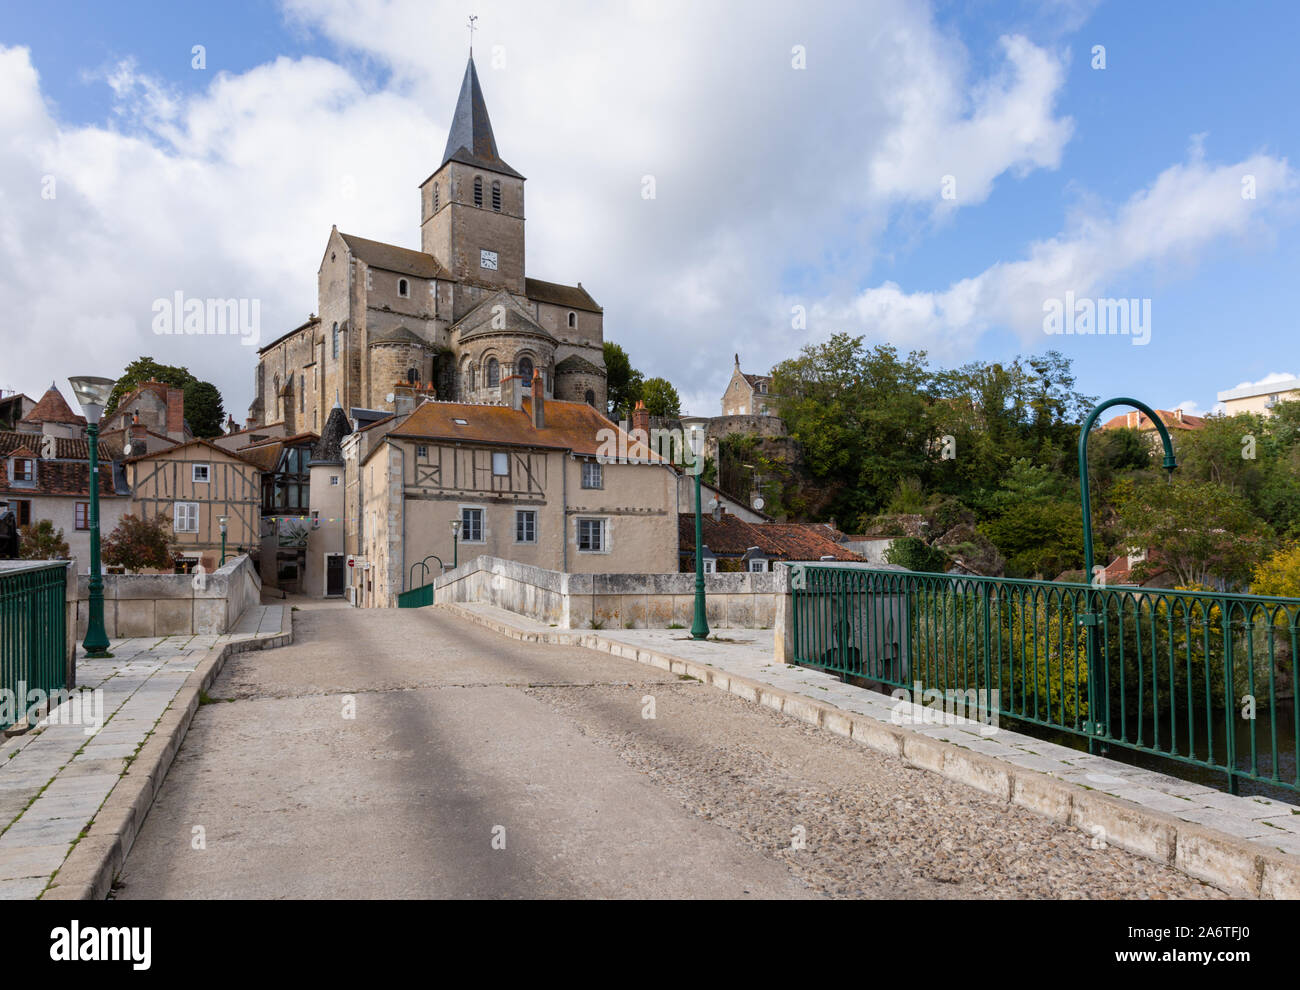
{"x": 455, "y": 318}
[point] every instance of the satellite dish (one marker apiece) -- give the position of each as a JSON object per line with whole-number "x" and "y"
{"x": 758, "y": 503}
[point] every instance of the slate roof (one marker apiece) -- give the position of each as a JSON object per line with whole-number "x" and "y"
{"x": 569, "y": 296}
{"x": 470, "y": 139}
{"x": 329, "y": 448}
{"x": 571, "y": 426}
{"x": 731, "y": 536}
{"x": 266, "y": 455}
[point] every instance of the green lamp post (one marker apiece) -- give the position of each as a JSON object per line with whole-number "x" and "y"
{"x": 1096, "y": 726}
{"x": 223, "y": 520}
{"x": 92, "y": 393}
{"x": 700, "y": 627}
{"x": 455, "y": 533}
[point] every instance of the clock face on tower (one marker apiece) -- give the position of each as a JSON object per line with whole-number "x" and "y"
{"x": 487, "y": 259}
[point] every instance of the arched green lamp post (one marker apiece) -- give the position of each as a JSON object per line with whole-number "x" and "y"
{"x": 1095, "y": 727}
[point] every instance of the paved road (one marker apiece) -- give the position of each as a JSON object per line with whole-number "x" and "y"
{"x": 462, "y": 737}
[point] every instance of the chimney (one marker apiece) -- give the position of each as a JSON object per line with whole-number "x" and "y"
{"x": 539, "y": 401}
{"x": 1178, "y": 415}
{"x": 403, "y": 399}
{"x": 512, "y": 389}
{"x": 175, "y": 413}
{"x": 641, "y": 421}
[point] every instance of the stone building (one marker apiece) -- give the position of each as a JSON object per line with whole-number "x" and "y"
{"x": 530, "y": 479}
{"x": 460, "y": 313}
{"x": 748, "y": 395}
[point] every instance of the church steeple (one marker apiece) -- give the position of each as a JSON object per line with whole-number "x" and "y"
{"x": 470, "y": 139}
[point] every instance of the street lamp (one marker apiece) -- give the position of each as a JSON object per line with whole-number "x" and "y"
{"x": 223, "y": 520}
{"x": 1094, "y": 726}
{"x": 455, "y": 532}
{"x": 92, "y": 393}
{"x": 700, "y": 627}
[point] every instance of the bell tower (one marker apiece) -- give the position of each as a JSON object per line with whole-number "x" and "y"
{"x": 472, "y": 206}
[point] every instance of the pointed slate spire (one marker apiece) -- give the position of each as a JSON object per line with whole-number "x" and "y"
{"x": 470, "y": 139}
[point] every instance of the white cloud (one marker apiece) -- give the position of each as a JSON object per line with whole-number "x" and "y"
{"x": 231, "y": 192}
{"x": 1272, "y": 378}
{"x": 1185, "y": 209}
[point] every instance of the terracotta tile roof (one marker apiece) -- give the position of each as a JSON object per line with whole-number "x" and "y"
{"x": 1174, "y": 420}
{"x": 731, "y": 536}
{"x": 571, "y": 426}
{"x": 235, "y": 455}
{"x": 569, "y": 296}
{"x": 65, "y": 478}
{"x": 65, "y": 448}
{"x": 53, "y": 408}
{"x": 391, "y": 258}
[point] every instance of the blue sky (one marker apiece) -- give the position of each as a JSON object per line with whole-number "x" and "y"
{"x": 817, "y": 188}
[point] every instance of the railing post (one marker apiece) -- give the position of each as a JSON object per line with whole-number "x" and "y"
{"x": 1229, "y": 699}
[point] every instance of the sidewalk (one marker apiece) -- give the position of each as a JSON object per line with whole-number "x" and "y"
{"x": 1270, "y": 827}
{"x": 55, "y": 778}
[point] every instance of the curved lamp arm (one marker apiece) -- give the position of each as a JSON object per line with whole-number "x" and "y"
{"x": 1169, "y": 464}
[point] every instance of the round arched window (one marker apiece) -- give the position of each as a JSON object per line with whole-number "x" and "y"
{"x": 590, "y": 397}
{"x": 493, "y": 373}
{"x": 525, "y": 368}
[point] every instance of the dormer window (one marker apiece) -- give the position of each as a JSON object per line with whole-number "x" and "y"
{"x": 478, "y": 190}
{"x": 403, "y": 288}
{"x": 23, "y": 470}
{"x": 496, "y": 196}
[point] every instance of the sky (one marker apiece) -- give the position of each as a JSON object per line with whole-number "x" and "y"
{"x": 722, "y": 177}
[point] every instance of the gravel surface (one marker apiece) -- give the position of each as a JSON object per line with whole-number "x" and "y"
{"x": 866, "y": 820}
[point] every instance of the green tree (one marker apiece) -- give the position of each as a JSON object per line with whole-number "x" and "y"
{"x": 203, "y": 406}
{"x": 138, "y": 543}
{"x": 622, "y": 381}
{"x": 660, "y": 397}
{"x": 861, "y": 417}
{"x": 1203, "y": 532}
{"x": 41, "y": 541}
{"x": 916, "y": 555}
{"x": 1279, "y": 574}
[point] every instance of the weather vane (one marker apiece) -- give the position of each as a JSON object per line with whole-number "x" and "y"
{"x": 472, "y": 19}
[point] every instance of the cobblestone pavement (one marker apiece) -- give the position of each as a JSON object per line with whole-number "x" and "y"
{"x": 410, "y": 753}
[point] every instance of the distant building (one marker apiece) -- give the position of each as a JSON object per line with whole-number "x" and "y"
{"x": 1260, "y": 398}
{"x": 732, "y": 544}
{"x": 45, "y": 474}
{"x": 459, "y": 313}
{"x": 1174, "y": 419}
{"x": 191, "y": 486}
{"x": 527, "y": 480}
{"x": 748, "y": 395}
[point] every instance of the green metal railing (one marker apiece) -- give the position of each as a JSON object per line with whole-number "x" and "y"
{"x": 416, "y": 597}
{"x": 1201, "y": 678}
{"x": 420, "y": 595}
{"x": 33, "y": 634}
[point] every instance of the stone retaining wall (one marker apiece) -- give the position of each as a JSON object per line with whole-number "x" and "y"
{"x": 617, "y": 601}
{"x": 172, "y": 604}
